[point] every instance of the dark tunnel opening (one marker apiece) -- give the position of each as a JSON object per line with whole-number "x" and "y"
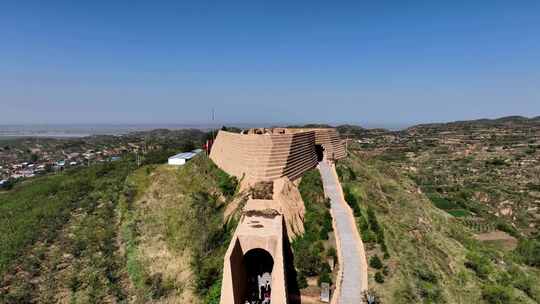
{"x": 258, "y": 264}
{"x": 319, "y": 150}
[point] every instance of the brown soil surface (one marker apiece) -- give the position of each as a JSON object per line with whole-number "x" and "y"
{"x": 501, "y": 238}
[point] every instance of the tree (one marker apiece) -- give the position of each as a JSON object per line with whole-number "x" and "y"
{"x": 34, "y": 157}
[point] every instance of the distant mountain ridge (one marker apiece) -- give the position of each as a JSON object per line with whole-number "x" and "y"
{"x": 515, "y": 120}
{"x": 506, "y": 120}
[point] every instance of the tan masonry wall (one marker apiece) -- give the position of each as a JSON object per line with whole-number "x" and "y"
{"x": 329, "y": 139}
{"x": 265, "y": 157}
{"x": 333, "y": 146}
{"x": 268, "y": 157}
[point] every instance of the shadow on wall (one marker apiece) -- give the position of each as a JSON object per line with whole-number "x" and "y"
{"x": 293, "y": 290}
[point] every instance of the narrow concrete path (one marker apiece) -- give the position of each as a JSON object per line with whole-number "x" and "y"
{"x": 351, "y": 258}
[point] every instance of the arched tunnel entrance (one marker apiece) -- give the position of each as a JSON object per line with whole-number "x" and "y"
{"x": 258, "y": 265}
{"x": 319, "y": 150}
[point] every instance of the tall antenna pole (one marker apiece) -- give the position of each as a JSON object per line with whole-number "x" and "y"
{"x": 213, "y": 118}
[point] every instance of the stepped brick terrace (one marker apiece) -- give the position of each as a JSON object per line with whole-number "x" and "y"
{"x": 269, "y": 154}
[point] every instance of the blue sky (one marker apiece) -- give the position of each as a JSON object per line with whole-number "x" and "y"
{"x": 376, "y": 62}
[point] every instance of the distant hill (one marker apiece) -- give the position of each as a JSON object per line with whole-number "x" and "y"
{"x": 351, "y": 130}
{"x": 483, "y": 122}
{"x": 312, "y": 125}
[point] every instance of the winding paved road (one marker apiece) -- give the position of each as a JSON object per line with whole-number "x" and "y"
{"x": 351, "y": 291}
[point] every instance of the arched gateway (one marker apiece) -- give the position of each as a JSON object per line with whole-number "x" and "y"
{"x": 258, "y": 264}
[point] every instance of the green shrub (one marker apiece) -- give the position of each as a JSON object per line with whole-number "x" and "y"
{"x": 372, "y": 219}
{"x": 362, "y": 223}
{"x": 431, "y": 293}
{"x": 379, "y": 277}
{"x": 506, "y": 227}
{"x": 227, "y": 184}
{"x": 20, "y": 293}
{"x": 301, "y": 280}
{"x": 214, "y": 293}
{"x": 345, "y": 174}
{"x": 384, "y": 249}
{"x": 325, "y": 275}
{"x": 530, "y": 150}
{"x": 497, "y": 294}
{"x": 375, "y": 262}
{"x": 351, "y": 200}
{"x": 424, "y": 274}
{"x": 533, "y": 187}
{"x": 495, "y": 162}
{"x": 528, "y": 284}
{"x": 306, "y": 261}
{"x": 368, "y": 236}
{"x": 325, "y": 278}
{"x": 480, "y": 264}
{"x": 441, "y": 202}
{"x": 528, "y": 251}
{"x": 331, "y": 252}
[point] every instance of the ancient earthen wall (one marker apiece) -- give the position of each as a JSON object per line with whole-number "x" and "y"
{"x": 265, "y": 156}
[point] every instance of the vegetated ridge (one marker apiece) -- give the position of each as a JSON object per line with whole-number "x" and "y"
{"x": 419, "y": 253}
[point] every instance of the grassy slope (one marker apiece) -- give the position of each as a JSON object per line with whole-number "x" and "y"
{"x": 57, "y": 242}
{"x": 174, "y": 231}
{"x": 93, "y": 236}
{"x": 428, "y": 251}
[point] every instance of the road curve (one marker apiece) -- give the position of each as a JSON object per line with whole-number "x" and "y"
{"x": 352, "y": 259}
